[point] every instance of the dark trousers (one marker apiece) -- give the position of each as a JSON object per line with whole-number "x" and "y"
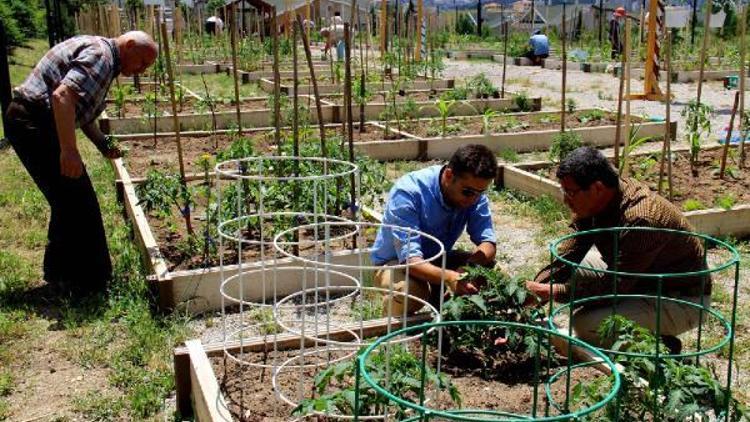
{"x": 77, "y": 256}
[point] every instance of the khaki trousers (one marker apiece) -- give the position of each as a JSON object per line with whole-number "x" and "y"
{"x": 397, "y": 280}
{"x": 676, "y": 318}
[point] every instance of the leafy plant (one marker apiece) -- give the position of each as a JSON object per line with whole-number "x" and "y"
{"x": 564, "y": 143}
{"x": 698, "y": 124}
{"x": 456, "y": 94}
{"x": 675, "y": 390}
{"x": 571, "y": 105}
{"x": 120, "y": 98}
{"x": 522, "y": 102}
{"x": 481, "y": 86}
{"x": 444, "y": 108}
{"x": 634, "y": 142}
{"x": 691, "y": 204}
{"x": 500, "y": 298}
{"x": 590, "y": 116}
{"x": 160, "y": 192}
{"x": 726, "y": 201}
{"x": 335, "y": 391}
{"x": 487, "y": 117}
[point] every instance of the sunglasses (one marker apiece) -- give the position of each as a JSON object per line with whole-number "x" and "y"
{"x": 471, "y": 193}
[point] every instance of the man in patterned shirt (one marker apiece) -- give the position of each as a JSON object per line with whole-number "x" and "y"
{"x": 598, "y": 199}
{"x": 67, "y": 90}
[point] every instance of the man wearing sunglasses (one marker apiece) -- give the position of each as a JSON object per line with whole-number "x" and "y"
{"x": 442, "y": 201}
{"x": 599, "y": 199}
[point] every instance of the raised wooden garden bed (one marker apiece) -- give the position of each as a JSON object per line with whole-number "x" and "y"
{"x": 327, "y": 88}
{"x": 520, "y": 132}
{"x": 254, "y": 112}
{"x": 556, "y": 64}
{"x": 733, "y": 220}
{"x": 686, "y": 76}
{"x": 425, "y": 105}
{"x": 205, "y": 378}
{"x": 471, "y": 54}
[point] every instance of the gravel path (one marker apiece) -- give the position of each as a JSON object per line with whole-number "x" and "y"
{"x": 597, "y": 90}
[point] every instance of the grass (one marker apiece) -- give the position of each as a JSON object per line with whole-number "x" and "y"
{"x": 120, "y": 335}
{"x": 551, "y": 215}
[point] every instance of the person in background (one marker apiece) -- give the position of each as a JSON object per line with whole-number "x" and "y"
{"x": 598, "y": 199}
{"x": 67, "y": 90}
{"x": 214, "y": 25}
{"x": 442, "y": 201}
{"x": 538, "y": 47}
{"x": 616, "y": 31}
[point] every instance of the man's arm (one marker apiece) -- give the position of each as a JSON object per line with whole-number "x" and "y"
{"x": 64, "y": 102}
{"x": 484, "y": 254}
{"x": 480, "y": 230}
{"x": 433, "y": 275}
{"x": 91, "y": 130}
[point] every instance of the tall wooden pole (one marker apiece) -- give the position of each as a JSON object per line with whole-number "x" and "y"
{"x": 702, "y": 63}
{"x": 418, "y": 32}
{"x": 666, "y": 150}
{"x": 618, "y": 122}
{"x": 725, "y": 149}
{"x": 175, "y": 121}
{"x": 318, "y": 106}
{"x": 276, "y": 82}
{"x": 627, "y": 97}
{"x": 348, "y": 103}
{"x": 235, "y": 72}
{"x": 743, "y": 130}
{"x": 563, "y": 36}
{"x": 505, "y": 54}
{"x": 383, "y": 27}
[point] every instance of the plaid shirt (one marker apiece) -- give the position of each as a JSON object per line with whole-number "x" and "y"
{"x": 634, "y": 251}
{"x": 86, "y": 64}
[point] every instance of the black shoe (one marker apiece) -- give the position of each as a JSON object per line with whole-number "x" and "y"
{"x": 673, "y": 344}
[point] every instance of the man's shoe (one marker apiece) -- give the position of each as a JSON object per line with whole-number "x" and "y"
{"x": 673, "y": 344}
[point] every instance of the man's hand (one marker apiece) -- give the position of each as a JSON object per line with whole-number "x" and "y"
{"x": 465, "y": 287}
{"x": 541, "y": 290}
{"x": 71, "y": 164}
{"x": 110, "y": 149}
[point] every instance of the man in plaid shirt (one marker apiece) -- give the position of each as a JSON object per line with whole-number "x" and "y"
{"x": 67, "y": 90}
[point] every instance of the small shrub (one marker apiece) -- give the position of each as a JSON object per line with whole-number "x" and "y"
{"x": 571, "y": 105}
{"x": 509, "y": 155}
{"x": 726, "y": 201}
{"x": 481, "y": 86}
{"x": 563, "y": 144}
{"x": 693, "y": 205}
{"x": 522, "y": 101}
{"x": 591, "y": 116}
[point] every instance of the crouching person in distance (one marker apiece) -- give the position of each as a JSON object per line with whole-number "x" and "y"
{"x": 442, "y": 201}
{"x": 599, "y": 198}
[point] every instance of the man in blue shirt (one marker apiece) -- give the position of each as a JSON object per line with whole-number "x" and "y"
{"x": 539, "y": 47}
{"x": 441, "y": 201}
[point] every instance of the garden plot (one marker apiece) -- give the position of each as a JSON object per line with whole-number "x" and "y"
{"x": 326, "y": 86}
{"x": 423, "y": 103}
{"x": 520, "y": 132}
{"x": 180, "y": 249}
{"x": 713, "y": 206}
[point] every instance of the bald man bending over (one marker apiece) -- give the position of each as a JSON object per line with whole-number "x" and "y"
{"x": 66, "y": 90}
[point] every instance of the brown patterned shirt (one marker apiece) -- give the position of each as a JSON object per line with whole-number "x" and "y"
{"x": 633, "y": 251}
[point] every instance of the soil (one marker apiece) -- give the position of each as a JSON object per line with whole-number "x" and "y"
{"x": 250, "y": 394}
{"x": 706, "y": 188}
{"x": 421, "y": 96}
{"x": 457, "y": 126}
{"x": 143, "y": 155}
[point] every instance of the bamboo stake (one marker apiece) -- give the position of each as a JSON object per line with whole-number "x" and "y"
{"x": 235, "y": 73}
{"x": 743, "y": 130}
{"x": 362, "y": 78}
{"x": 276, "y": 83}
{"x": 308, "y": 55}
{"x": 725, "y": 149}
{"x": 702, "y": 65}
{"x": 627, "y": 99}
{"x": 177, "y": 17}
{"x": 505, "y": 54}
{"x": 618, "y": 122}
{"x": 383, "y": 27}
{"x": 418, "y": 32}
{"x": 295, "y": 96}
{"x": 666, "y": 150}
{"x": 563, "y": 36}
{"x": 348, "y": 101}
{"x": 176, "y": 124}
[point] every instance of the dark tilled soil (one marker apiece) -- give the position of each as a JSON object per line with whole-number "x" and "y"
{"x": 143, "y": 155}
{"x": 705, "y": 188}
{"x": 507, "y": 124}
{"x": 251, "y": 396}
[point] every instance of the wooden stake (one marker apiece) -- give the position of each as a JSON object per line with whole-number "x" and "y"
{"x": 177, "y": 18}
{"x": 295, "y": 96}
{"x": 563, "y": 36}
{"x": 626, "y": 145}
{"x": 505, "y": 54}
{"x": 743, "y": 131}
{"x": 418, "y": 32}
{"x": 348, "y": 104}
{"x": 235, "y": 72}
{"x": 308, "y": 55}
{"x": 702, "y": 62}
{"x": 666, "y": 150}
{"x": 276, "y": 82}
{"x": 362, "y": 77}
{"x": 176, "y": 123}
{"x": 383, "y": 28}
{"x": 725, "y": 149}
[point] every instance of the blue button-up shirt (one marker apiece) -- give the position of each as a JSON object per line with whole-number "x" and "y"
{"x": 416, "y": 202}
{"x": 540, "y": 44}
